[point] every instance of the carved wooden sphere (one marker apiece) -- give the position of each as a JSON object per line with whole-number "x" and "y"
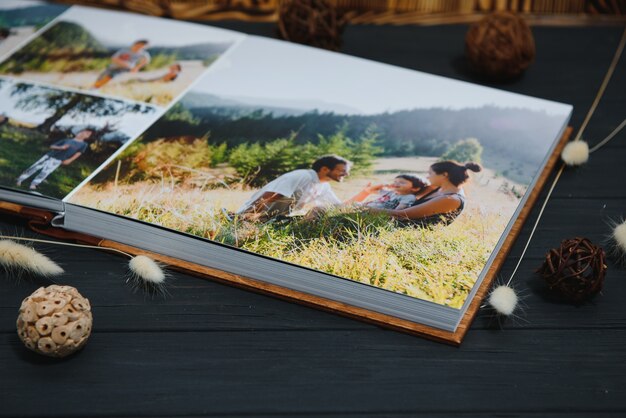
{"x": 55, "y": 321}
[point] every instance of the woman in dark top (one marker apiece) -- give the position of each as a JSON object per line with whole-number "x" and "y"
{"x": 442, "y": 205}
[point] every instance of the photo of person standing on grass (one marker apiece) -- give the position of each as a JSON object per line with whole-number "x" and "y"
{"x": 51, "y": 139}
{"x": 62, "y": 152}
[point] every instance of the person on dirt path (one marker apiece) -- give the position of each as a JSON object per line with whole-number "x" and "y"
{"x": 125, "y": 60}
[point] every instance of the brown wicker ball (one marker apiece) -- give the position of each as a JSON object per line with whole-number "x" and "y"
{"x": 55, "y": 321}
{"x": 500, "y": 46}
{"x": 310, "y": 22}
{"x": 575, "y": 270}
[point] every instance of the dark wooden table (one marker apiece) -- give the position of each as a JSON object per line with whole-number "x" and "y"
{"x": 213, "y": 350}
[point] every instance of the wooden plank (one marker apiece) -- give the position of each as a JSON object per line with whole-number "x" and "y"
{"x": 219, "y": 373}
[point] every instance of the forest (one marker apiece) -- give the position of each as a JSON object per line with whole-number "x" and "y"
{"x": 502, "y": 132}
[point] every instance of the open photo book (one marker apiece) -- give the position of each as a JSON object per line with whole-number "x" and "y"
{"x": 373, "y": 191}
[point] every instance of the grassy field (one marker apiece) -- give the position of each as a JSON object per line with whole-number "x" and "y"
{"x": 438, "y": 264}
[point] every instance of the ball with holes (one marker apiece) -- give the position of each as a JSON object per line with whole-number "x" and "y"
{"x": 55, "y": 321}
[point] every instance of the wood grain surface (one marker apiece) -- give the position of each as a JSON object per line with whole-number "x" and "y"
{"x": 215, "y": 350}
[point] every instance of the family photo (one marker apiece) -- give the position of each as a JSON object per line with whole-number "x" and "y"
{"x": 119, "y": 54}
{"x": 403, "y": 188}
{"x": 51, "y": 140}
{"x": 20, "y": 19}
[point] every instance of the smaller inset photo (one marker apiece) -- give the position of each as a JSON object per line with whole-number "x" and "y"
{"x": 19, "y": 19}
{"x": 51, "y": 140}
{"x": 120, "y": 54}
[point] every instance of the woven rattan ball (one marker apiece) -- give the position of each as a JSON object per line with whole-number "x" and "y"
{"x": 500, "y": 46}
{"x": 575, "y": 270}
{"x": 55, "y": 321}
{"x": 310, "y": 22}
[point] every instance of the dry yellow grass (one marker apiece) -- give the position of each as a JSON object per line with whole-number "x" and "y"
{"x": 439, "y": 264}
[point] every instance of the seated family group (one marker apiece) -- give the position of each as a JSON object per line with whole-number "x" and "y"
{"x": 410, "y": 199}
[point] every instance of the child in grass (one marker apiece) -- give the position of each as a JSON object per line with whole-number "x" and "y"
{"x": 399, "y": 195}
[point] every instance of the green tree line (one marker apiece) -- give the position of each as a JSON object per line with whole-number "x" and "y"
{"x": 427, "y": 132}
{"x": 182, "y": 157}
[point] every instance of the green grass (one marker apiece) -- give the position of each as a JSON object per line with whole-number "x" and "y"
{"x": 438, "y": 264}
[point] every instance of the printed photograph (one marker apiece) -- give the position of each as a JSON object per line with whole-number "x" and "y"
{"x": 120, "y": 54}
{"x": 51, "y": 140}
{"x": 20, "y": 19}
{"x": 392, "y": 178}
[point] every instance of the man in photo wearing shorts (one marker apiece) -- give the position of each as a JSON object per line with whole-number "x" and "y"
{"x": 125, "y": 60}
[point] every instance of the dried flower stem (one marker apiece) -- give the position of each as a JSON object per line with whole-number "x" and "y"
{"x": 66, "y": 244}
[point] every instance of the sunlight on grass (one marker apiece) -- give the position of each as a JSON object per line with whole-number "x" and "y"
{"x": 439, "y": 264}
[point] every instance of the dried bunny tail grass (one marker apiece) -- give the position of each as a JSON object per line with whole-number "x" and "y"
{"x": 503, "y": 300}
{"x": 18, "y": 256}
{"x": 144, "y": 272}
{"x": 147, "y": 274}
{"x": 615, "y": 242}
{"x": 505, "y": 303}
{"x": 575, "y": 153}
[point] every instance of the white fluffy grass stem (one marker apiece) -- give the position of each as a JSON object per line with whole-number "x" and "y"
{"x": 608, "y": 138}
{"x": 145, "y": 271}
{"x": 532, "y": 231}
{"x": 65, "y": 243}
{"x": 605, "y": 83}
{"x": 592, "y": 109}
{"x": 18, "y": 256}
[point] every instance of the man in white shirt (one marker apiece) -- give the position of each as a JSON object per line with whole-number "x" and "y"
{"x": 297, "y": 188}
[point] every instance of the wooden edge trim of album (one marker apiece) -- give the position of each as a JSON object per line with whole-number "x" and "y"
{"x": 40, "y": 223}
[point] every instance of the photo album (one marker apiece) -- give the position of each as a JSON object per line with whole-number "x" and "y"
{"x": 376, "y": 192}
